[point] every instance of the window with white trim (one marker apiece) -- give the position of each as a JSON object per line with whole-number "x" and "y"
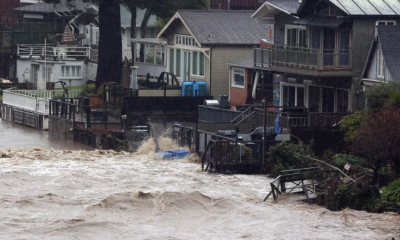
{"x": 296, "y": 36}
{"x": 177, "y": 62}
{"x": 97, "y": 37}
{"x": 71, "y": 71}
{"x": 386, "y": 22}
{"x": 293, "y": 95}
{"x": 183, "y": 40}
{"x": 380, "y": 66}
{"x": 238, "y": 79}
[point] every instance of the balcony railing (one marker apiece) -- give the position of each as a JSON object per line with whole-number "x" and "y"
{"x": 74, "y": 52}
{"x": 306, "y": 58}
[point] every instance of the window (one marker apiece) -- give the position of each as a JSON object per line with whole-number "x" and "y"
{"x": 293, "y": 96}
{"x": 385, "y": 22}
{"x": 380, "y": 71}
{"x": 296, "y": 36}
{"x": 97, "y": 37}
{"x": 184, "y": 62}
{"x": 128, "y": 38}
{"x": 185, "y": 40}
{"x": 71, "y": 71}
{"x": 313, "y": 98}
{"x": 238, "y": 78}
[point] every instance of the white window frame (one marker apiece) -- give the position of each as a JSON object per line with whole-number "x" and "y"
{"x": 75, "y": 67}
{"x": 97, "y": 33}
{"x": 191, "y": 62}
{"x": 46, "y": 75}
{"x": 233, "y": 77}
{"x": 184, "y": 40}
{"x": 380, "y": 64}
{"x": 297, "y": 27}
{"x": 295, "y": 97}
{"x": 385, "y": 22}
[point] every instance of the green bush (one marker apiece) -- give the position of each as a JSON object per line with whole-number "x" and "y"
{"x": 88, "y": 90}
{"x": 351, "y": 124}
{"x": 285, "y": 156}
{"x": 383, "y": 94}
{"x": 391, "y": 193}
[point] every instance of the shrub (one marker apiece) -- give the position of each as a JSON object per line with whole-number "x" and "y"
{"x": 285, "y": 156}
{"x": 88, "y": 90}
{"x": 383, "y": 94}
{"x": 351, "y": 124}
{"x": 391, "y": 193}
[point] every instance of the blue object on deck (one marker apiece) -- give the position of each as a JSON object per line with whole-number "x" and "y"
{"x": 189, "y": 88}
{"x": 277, "y": 125}
{"x": 173, "y": 154}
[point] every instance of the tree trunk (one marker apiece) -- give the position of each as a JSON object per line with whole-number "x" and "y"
{"x": 143, "y": 30}
{"x": 133, "y": 33}
{"x": 110, "y": 44}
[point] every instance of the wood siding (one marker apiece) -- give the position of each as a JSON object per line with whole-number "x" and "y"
{"x": 239, "y": 95}
{"x": 281, "y": 19}
{"x": 220, "y": 56}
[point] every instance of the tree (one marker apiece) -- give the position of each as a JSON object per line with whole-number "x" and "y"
{"x": 165, "y": 9}
{"x": 110, "y": 43}
{"x": 378, "y": 139}
{"x": 385, "y": 93}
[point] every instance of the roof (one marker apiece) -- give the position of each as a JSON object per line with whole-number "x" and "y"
{"x": 63, "y": 6}
{"x": 215, "y": 27}
{"x": 126, "y": 17}
{"x": 389, "y": 39}
{"x": 247, "y": 62}
{"x": 370, "y": 7}
{"x": 272, "y": 7}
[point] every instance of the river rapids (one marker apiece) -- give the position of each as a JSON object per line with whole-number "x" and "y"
{"x": 63, "y": 194}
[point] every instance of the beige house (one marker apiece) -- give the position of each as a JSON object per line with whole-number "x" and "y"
{"x": 201, "y": 43}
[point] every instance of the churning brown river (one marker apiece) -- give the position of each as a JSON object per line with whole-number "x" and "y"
{"x": 76, "y": 194}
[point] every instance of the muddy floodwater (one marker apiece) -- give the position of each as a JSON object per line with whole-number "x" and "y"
{"x": 17, "y": 136}
{"x": 65, "y": 194}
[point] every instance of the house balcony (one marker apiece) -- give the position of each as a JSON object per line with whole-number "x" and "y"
{"x": 318, "y": 62}
{"x": 39, "y": 51}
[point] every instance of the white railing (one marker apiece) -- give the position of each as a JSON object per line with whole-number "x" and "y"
{"x": 34, "y": 100}
{"x": 60, "y": 52}
{"x": 19, "y": 100}
{"x": 153, "y": 70}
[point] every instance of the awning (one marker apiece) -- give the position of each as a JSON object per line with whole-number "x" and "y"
{"x": 320, "y": 22}
{"x": 371, "y": 82}
{"x": 150, "y": 41}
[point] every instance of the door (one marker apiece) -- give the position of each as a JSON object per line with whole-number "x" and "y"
{"x": 328, "y": 100}
{"x": 186, "y": 66}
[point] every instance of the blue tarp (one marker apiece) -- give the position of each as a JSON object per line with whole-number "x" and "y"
{"x": 277, "y": 125}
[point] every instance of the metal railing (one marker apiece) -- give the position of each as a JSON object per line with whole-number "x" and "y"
{"x": 300, "y": 57}
{"x": 40, "y": 50}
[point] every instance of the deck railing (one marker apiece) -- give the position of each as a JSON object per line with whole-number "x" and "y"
{"x": 300, "y": 57}
{"x": 60, "y": 52}
{"x": 34, "y": 100}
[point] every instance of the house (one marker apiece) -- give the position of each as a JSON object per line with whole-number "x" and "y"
{"x": 318, "y": 53}
{"x": 7, "y": 19}
{"x": 258, "y": 77}
{"x": 199, "y": 44}
{"x": 382, "y": 63}
{"x": 43, "y": 57}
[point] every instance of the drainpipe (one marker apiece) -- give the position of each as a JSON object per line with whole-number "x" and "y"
{"x": 210, "y": 62}
{"x": 229, "y": 4}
